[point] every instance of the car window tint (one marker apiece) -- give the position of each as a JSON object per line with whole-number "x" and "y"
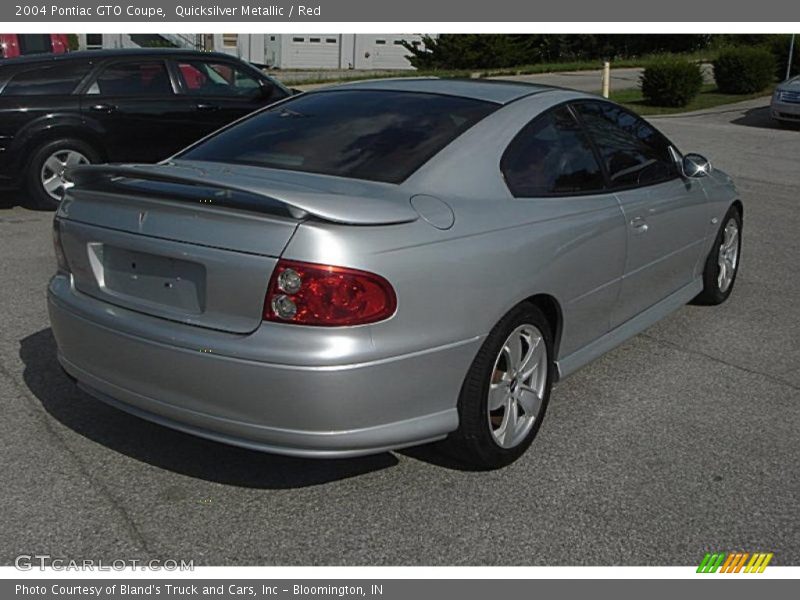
{"x": 50, "y": 80}
{"x": 634, "y": 152}
{"x": 551, "y": 156}
{"x": 362, "y": 134}
{"x": 204, "y": 78}
{"x": 133, "y": 79}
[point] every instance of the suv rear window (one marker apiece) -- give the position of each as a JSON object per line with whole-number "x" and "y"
{"x": 53, "y": 79}
{"x": 361, "y": 134}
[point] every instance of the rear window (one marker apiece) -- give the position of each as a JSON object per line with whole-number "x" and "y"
{"x": 55, "y": 79}
{"x": 374, "y": 135}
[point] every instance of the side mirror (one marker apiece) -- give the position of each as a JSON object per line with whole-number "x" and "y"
{"x": 695, "y": 165}
{"x": 266, "y": 90}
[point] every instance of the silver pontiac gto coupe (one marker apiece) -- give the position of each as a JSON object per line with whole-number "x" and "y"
{"x": 384, "y": 264}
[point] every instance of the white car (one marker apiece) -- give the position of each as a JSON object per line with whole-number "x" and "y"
{"x": 785, "y": 107}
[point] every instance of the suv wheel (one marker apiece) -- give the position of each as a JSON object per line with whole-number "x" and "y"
{"x": 45, "y": 180}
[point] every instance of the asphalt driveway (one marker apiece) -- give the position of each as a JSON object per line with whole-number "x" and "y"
{"x": 685, "y": 439}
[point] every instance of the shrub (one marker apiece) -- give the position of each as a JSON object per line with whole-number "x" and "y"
{"x": 671, "y": 82}
{"x": 744, "y": 70}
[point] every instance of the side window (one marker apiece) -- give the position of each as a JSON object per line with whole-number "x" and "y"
{"x": 149, "y": 78}
{"x": 551, "y": 156}
{"x": 202, "y": 78}
{"x": 634, "y": 152}
{"x": 54, "y": 80}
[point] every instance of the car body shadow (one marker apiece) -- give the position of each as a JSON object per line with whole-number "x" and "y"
{"x": 760, "y": 117}
{"x": 10, "y": 199}
{"x": 169, "y": 449}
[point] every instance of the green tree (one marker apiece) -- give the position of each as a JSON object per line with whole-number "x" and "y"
{"x": 779, "y": 46}
{"x": 472, "y": 51}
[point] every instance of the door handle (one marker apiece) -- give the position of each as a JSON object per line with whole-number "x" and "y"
{"x": 105, "y": 108}
{"x": 639, "y": 224}
{"x": 206, "y": 107}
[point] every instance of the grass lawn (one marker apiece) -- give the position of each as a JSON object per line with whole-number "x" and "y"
{"x": 708, "y": 97}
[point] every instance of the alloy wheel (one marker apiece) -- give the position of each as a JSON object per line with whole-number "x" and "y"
{"x": 52, "y": 174}
{"x": 728, "y": 256}
{"x": 517, "y": 386}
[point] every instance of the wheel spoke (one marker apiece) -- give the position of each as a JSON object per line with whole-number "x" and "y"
{"x": 73, "y": 158}
{"x": 734, "y": 240}
{"x": 498, "y": 395}
{"x": 529, "y": 400}
{"x": 513, "y": 350}
{"x": 52, "y": 184}
{"x": 532, "y": 361}
{"x": 510, "y": 423}
{"x": 54, "y": 165}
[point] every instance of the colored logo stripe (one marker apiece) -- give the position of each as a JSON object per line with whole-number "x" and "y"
{"x": 758, "y": 563}
{"x": 734, "y": 562}
{"x": 711, "y": 562}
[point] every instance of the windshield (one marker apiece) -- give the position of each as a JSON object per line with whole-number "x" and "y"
{"x": 362, "y": 134}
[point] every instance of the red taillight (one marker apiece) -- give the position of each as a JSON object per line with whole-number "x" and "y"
{"x": 312, "y": 294}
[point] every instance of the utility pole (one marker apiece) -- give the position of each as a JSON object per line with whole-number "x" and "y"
{"x": 606, "y": 78}
{"x": 791, "y": 55}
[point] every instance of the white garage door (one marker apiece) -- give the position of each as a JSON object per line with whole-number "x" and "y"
{"x": 312, "y": 51}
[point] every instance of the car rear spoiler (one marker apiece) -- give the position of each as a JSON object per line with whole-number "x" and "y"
{"x": 258, "y": 194}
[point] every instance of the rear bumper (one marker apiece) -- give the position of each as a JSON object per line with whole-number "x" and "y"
{"x": 334, "y": 410}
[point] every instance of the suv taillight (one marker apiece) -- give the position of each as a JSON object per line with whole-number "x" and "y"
{"x": 312, "y": 294}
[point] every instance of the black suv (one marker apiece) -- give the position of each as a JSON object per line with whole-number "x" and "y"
{"x": 115, "y": 106}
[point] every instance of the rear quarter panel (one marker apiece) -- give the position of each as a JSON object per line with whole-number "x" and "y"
{"x": 453, "y": 285}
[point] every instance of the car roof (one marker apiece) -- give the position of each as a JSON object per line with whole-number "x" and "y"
{"x": 115, "y": 53}
{"x": 498, "y": 91}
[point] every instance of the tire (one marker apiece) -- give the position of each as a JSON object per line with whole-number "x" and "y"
{"x": 481, "y": 441}
{"x": 62, "y": 152}
{"x": 717, "y": 286}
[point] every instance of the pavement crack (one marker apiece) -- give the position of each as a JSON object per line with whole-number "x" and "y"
{"x": 53, "y": 433}
{"x": 682, "y": 349}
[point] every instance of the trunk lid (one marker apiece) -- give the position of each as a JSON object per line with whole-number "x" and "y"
{"x": 193, "y": 244}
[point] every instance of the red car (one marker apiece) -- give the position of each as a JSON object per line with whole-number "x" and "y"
{"x": 13, "y": 45}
